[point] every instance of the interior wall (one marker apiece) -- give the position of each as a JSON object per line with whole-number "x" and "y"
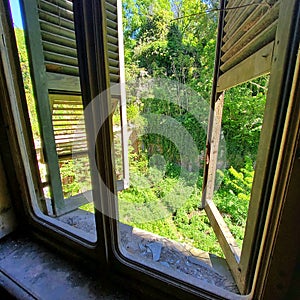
{"x": 7, "y": 216}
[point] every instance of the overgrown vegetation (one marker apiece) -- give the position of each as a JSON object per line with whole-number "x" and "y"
{"x": 175, "y": 40}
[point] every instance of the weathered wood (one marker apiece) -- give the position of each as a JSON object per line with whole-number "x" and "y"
{"x": 123, "y": 102}
{"x": 57, "y": 29}
{"x": 58, "y": 39}
{"x": 73, "y": 202}
{"x": 63, "y": 82}
{"x": 227, "y": 242}
{"x": 112, "y": 39}
{"x": 34, "y": 44}
{"x": 112, "y": 47}
{"x": 61, "y": 68}
{"x": 110, "y": 7}
{"x": 51, "y": 18}
{"x": 213, "y": 141}
{"x": 282, "y": 69}
{"x": 257, "y": 43}
{"x": 51, "y": 47}
{"x": 60, "y": 58}
{"x": 214, "y": 97}
{"x": 255, "y": 23}
{"x": 237, "y": 17}
{"x": 254, "y": 66}
{"x": 230, "y": 12}
{"x": 56, "y": 9}
{"x": 114, "y": 78}
{"x": 243, "y": 40}
{"x": 66, "y": 4}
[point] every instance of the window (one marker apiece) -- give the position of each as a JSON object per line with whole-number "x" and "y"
{"x": 95, "y": 73}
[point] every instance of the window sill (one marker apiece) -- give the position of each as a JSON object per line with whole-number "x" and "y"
{"x": 29, "y": 270}
{"x": 176, "y": 259}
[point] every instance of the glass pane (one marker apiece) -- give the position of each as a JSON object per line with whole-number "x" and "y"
{"x": 242, "y": 120}
{"x": 57, "y": 118}
{"x": 169, "y": 61}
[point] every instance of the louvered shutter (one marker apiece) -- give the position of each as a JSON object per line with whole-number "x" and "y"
{"x": 248, "y": 40}
{"x": 51, "y": 42}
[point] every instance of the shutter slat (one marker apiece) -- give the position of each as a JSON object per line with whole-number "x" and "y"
{"x": 257, "y": 43}
{"x": 246, "y": 33}
{"x": 61, "y": 68}
{"x": 57, "y": 10}
{"x": 113, "y": 62}
{"x": 55, "y": 48}
{"x": 68, "y": 5}
{"x": 60, "y": 40}
{"x": 110, "y": 7}
{"x": 56, "y": 29}
{"x": 60, "y": 58}
{"x": 51, "y": 18}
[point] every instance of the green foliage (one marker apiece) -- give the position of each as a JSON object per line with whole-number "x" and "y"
{"x": 20, "y": 39}
{"x": 242, "y": 120}
{"x": 232, "y": 199}
{"x": 176, "y": 40}
{"x": 75, "y": 176}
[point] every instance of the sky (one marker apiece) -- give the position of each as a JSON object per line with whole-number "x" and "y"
{"x": 15, "y": 9}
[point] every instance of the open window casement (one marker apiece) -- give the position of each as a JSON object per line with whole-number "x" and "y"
{"x": 52, "y": 50}
{"x": 254, "y": 39}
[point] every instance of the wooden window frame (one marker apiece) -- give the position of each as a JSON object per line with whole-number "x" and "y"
{"x": 278, "y": 57}
{"x": 105, "y": 251}
{"x": 52, "y": 78}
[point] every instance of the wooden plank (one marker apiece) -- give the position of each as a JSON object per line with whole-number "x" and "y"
{"x": 227, "y": 242}
{"x": 110, "y": 7}
{"x": 60, "y": 49}
{"x": 239, "y": 18}
{"x": 123, "y": 102}
{"x": 283, "y": 63}
{"x": 57, "y": 29}
{"x": 114, "y": 70}
{"x": 33, "y": 38}
{"x": 254, "y": 66}
{"x": 63, "y": 82}
{"x": 112, "y": 47}
{"x": 113, "y": 62}
{"x": 67, "y": 137}
{"x": 63, "y": 108}
{"x": 112, "y": 39}
{"x": 68, "y": 114}
{"x": 66, "y": 4}
{"x": 56, "y": 9}
{"x": 111, "y": 16}
{"x": 254, "y": 24}
{"x": 73, "y": 202}
{"x": 58, "y": 39}
{"x": 113, "y": 55}
{"x": 68, "y": 156}
{"x": 243, "y": 39}
{"x": 61, "y": 68}
{"x": 213, "y": 145}
{"x": 52, "y": 18}
{"x": 231, "y": 4}
{"x": 235, "y": 17}
{"x": 112, "y": 25}
{"x": 61, "y": 59}
{"x": 257, "y": 43}
{"x": 114, "y": 78}
{"x": 214, "y": 97}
